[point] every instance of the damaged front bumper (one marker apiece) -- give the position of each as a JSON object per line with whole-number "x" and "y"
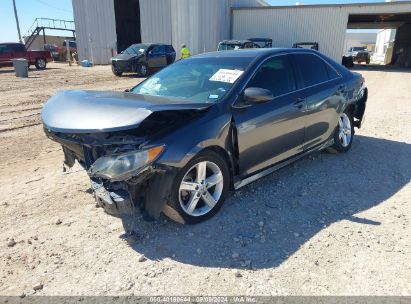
{"x": 146, "y": 193}
{"x": 116, "y": 203}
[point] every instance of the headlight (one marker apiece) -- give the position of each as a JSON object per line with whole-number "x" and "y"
{"x": 118, "y": 167}
{"x": 355, "y": 53}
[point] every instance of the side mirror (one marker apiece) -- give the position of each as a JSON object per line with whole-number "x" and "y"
{"x": 257, "y": 95}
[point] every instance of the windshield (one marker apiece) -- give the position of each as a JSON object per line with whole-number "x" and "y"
{"x": 228, "y": 47}
{"x": 359, "y": 49}
{"x": 196, "y": 80}
{"x": 135, "y": 49}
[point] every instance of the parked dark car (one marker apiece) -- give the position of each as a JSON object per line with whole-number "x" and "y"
{"x": 53, "y": 49}
{"x": 143, "y": 58}
{"x": 262, "y": 42}
{"x": 72, "y": 45}
{"x": 182, "y": 139}
{"x": 359, "y": 54}
{"x": 347, "y": 61}
{"x": 307, "y": 45}
{"x": 229, "y": 45}
{"x": 12, "y": 50}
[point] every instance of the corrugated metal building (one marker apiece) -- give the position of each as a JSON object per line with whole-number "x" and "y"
{"x": 95, "y": 29}
{"x": 201, "y": 24}
{"x": 325, "y": 24}
{"x": 106, "y": 26}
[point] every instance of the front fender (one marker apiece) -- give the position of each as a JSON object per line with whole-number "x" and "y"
{"x": 186, "y": 144}
{"x": 182, "y": 145}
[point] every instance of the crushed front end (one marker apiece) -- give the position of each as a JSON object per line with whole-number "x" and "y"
{"x": 120, "y": 168}
{"x": 123, "y": 140}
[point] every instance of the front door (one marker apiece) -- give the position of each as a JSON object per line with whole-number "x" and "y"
{"x": 5, "y": 55}
{"x": 272, "y": 131}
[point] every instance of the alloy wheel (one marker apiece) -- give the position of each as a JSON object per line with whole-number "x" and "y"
{"x": 201, "y": 188}
{"x": 344, "y": 134}
{"x": 41, "y": 63}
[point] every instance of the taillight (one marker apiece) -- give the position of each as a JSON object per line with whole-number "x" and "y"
{"x": 362, "y": 79}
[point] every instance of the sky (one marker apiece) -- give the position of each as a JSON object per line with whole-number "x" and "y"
{"x": 28, "y": 10}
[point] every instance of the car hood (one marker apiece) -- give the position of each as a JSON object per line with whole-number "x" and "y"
{"x": 103, "y": 111}
{"x": 125, "y": 57}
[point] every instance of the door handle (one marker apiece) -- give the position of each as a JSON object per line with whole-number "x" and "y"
{"x": 299, "y": 103}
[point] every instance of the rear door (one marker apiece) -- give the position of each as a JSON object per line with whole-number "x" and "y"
{"x": 273, "y": 131}
{"x": 323, "y": 91}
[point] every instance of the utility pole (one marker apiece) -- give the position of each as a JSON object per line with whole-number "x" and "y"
{"x": 17, "y": 20}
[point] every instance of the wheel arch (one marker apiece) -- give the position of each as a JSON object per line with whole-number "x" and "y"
{"x": 40, "y": 57}
{"x": 227, "y": 158}
{"x": 226, "y": 146}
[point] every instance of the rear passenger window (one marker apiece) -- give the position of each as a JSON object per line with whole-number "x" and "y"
{"x": 313, "y": 70}
{"x": 332, "y": 74}
{"x": 276, "y": 75}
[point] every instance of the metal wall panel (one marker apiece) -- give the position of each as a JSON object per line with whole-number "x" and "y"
{"x": 199, "y": 24}
{"x": 155, "y": 16}
{"x": 325, "y": 24}
{"x": 248, "y": 3}
{"x": 95, "y": 29}
{"x": 290, "y": 25}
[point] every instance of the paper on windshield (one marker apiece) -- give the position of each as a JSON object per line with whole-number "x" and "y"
{"x": 225, "y": 75}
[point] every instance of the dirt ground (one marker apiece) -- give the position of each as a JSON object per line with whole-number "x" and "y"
{"x": 329, "y": 224}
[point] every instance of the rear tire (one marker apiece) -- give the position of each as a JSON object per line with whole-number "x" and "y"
{"x": 343, "y": 134}
{"x": 199, "y": 189}
{"x": 40, "y": 63}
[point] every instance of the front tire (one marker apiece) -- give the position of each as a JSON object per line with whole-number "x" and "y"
{"x": 40, "y": 63}
{"x": 199, "y": 189}
{"x": 343, "y": 134}
{"x": 116, "y": 71}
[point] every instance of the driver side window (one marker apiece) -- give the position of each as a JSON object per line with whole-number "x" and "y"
{"x": 275, "y": 75}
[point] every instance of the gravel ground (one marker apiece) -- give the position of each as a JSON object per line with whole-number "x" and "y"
{"x": 328, "y": 224}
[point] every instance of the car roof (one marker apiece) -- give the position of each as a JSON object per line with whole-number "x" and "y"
{"x": 149, "y": 43}
{"x": 257, "y": 52}
{"x": 260, "y": 39}
{"x": 234, "y": 41}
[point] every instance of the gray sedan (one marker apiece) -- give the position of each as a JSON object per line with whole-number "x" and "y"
{"x": 181, "y": 140}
